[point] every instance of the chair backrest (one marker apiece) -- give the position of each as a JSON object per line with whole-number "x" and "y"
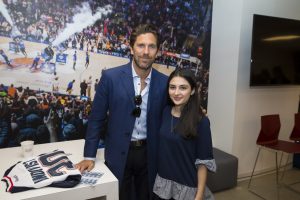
{"x": 270, "y": 127}
{"x": 295, "y": 135}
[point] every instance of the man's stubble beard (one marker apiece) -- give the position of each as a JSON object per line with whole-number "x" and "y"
{"x": 142, "y": 68}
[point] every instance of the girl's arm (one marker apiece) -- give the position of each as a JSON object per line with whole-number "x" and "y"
{"x": 202, "y": 175}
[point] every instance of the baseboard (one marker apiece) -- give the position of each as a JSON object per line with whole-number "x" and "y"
{"x": 258, "y": 173}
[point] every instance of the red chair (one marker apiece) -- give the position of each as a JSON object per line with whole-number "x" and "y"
{"x": 295, "y": 135}
{"x": 268, "y": 139}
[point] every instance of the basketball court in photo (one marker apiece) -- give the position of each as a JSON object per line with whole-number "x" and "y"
{"x": 20, "y": 73}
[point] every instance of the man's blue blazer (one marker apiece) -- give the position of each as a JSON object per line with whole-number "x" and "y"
{"x": 115, "y": 95}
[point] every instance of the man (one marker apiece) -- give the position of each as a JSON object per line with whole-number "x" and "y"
{"x": 55, "y": 83}
{"x": 35, "y": 62}
{"x": 134, "y": 95}
{"x": 89, "y": 86}
{"x": 5, "y": 57}
{"x": 83, "y": 87}
{"x": 70, "y": 87}
{"x": 74, "y": 59}
{"x": 87, "y": 59}
{"x": 96, "y": 84}
{"x": 22, "y": 48}
{"x": 49, "y": 55}
{"x": 17, "y": 41}
{"x": 11, "y": 91}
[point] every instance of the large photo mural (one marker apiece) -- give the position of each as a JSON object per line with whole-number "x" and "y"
{"x": 52, "y": 53}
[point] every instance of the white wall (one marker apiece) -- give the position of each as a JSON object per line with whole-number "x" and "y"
{"x": 233, "y": 107}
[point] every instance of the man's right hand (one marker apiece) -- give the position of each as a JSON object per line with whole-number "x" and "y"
{"x": 85, "y": 165}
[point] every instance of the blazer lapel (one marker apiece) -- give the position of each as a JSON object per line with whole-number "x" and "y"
{"x": 127, "y": 81}
{"x": 153, "y": 91}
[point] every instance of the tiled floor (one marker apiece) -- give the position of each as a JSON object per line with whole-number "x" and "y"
{"x": 265, "y": 188}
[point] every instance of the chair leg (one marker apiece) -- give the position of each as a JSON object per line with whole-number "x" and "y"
{"x": 280, "y": 160}
{"x": 254, "y": 167}
{"x": 286, "y": 163}
{"x": 276, "y": 162}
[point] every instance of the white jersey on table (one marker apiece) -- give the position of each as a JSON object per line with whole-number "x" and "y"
{"x": 50, "y": 169}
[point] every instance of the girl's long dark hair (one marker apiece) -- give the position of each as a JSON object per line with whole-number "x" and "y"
{"x": 191, "y": 112}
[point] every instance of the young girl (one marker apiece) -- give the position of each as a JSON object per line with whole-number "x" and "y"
{"x": 185, "y": 146}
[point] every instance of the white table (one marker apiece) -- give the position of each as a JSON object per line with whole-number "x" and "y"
{"x": 106, "y": 187}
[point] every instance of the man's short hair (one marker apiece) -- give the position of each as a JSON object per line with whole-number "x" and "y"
{"x": 142, "y": 29}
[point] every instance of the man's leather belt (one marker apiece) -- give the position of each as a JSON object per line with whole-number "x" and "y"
{"x": 138, "y": 143}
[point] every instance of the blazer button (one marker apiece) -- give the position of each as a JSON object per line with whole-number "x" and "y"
{"x": 127, "y": 134}
{"x": 123, "y": 153}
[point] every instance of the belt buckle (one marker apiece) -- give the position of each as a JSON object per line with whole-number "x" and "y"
{"x": 138, "y": 143}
